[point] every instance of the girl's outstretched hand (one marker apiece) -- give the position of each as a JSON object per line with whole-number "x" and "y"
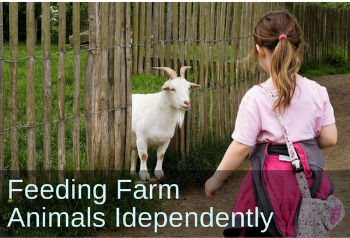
{"x": 211, "y": 186}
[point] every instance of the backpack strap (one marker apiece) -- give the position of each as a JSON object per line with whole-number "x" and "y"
{"x": 296, "y": 163}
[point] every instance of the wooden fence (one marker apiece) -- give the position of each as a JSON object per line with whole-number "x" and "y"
{"x": 128, "y": 39}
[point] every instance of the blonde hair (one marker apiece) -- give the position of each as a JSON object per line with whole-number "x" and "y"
{"x": 286, "y": 56}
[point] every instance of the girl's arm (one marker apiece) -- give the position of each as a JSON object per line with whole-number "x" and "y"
{"x": 233, "y": 158}
{"x": 328, "y": 136}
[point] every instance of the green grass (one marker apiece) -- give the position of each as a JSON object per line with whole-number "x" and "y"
{"x": 311, "y": 70}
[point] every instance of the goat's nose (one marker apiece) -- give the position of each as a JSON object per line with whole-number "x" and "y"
{"x": 187, "y": 103}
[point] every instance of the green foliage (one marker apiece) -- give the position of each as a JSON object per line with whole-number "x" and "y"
{"x": 54, "y": 19}
{"x": 310, "y": 69}
{"x": 336, "y": 58}
{"x": 332, "y": 4}
{"x": 69, "y": 19}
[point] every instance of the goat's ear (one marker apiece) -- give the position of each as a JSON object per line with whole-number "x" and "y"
{"x": 165, "y": 87}
{"x": 194, "y": 86}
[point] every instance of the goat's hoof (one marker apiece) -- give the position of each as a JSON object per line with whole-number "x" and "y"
{"x": 159, "y": 174}
{"x": 144, "y": 175}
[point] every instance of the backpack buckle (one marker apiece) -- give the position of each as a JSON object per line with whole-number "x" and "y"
{"x": 297, "y": 166}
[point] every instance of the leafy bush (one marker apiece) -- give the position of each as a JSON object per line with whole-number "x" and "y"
{"x": 336, "y": 58}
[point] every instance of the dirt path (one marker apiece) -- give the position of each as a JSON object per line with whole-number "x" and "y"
{"x": 337, "y": 166}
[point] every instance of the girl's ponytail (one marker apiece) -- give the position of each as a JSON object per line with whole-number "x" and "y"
{"x": 280, "y": 33}
{"x": 284, "y": 67}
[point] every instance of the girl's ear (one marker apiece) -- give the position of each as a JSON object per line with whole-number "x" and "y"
{"x": 260, "y": 50}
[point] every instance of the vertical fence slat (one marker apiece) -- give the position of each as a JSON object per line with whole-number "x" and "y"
{"x": 212, "y": 69}
{"x": 128, "y": 88}
{"x": 47, "y": 87}
{"x": 161, "y": 35}
{"x": 135, "y": 37}
{"x": 206, "y": 68}
{"x": 104, "y": 86}
{"x": 218, "y": 99}
{"x": 142, "y": 22}
{"x": 2, "y": 158}
{"x": 195, "y": 71}
{"x": 188, "y": 62}
{"x": 226, "y": 70}
{"x": 88, "y": 89}
{"x": 182, "y": 63}
{"x": 156, "y": 39}
{"x": 174, "y": 143}
{"x": 148, "y": 37}
{"x": 169, "y": 23}
{"x": 221, "y": 72}
{"x": 96, "y": 88}
{"x": 240, "y": 54}
{"x": 175, "y": 31}
{"x": 233, "y": 60}
{"x": 12, "y": 106}
{"x": 76, "y": 100}
{"x": 117, "y": 86}
{"x": 60, "y": 91}
{"x": 122, "y": 87}
{"x": 30, "y": 95}
{"x": 182, "y": 35}
{"x": 201, "y": 72}
{"x": 111, "y": 42}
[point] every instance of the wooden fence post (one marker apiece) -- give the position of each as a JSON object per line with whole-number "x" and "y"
{"x": 156, "y": 36}
{"x": 135, "y": 37}
{"x": 169, "y": 22}
{"x": 202, "y": 91}
{"x": 188, "y": 62}
{"x": 12, "y": 106}
{"x": 76, "y": 103}
{"x": 30, "y": 95}
{"x": 161, "y": 36}
{"x": 142, "y": 22}
{"x": 47, "y": 87}
{"x": 195, "y": 70}
{"x": 118, "y": 60}
{"x": 128, "y": 87}
{"x": 111, "y": 42}
{"x": 148, "y": 39}
{"x": 60, "y": 92}
{"x": 104, "y": 87}
{"x": 88, "y": 89}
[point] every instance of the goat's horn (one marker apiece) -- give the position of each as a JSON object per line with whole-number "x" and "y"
{"x": 170, "y": 72}
{"x": 183, "y": 69}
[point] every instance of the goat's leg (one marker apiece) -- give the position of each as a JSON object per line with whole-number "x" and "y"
{"x": 133, "y": 161}
{"x": 158, "y": 172}
{"x": 142, "y": 150}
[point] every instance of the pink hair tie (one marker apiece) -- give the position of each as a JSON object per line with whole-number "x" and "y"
{"x": 282, "y": 36}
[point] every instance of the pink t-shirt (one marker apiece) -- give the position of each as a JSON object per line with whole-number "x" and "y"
{"x": 310, "y": 109}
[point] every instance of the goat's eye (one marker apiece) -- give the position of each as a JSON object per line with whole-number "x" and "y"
{"x": 173, "y": 90}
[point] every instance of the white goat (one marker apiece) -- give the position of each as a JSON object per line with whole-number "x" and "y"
{"x": 155, "y": 117}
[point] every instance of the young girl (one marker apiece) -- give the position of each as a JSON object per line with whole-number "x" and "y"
{"x": 309, "y": 119}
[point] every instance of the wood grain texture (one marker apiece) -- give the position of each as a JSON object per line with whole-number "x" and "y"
{"x": 76, "y": 100}
{"x": 60, "y": 92}
{"x": 12, "y": 102}
{"x": 47, "y": 87}
{"x": 30, "y": 95}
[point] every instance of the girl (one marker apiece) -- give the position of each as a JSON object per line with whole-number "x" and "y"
{"x": 308, "y": 117}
